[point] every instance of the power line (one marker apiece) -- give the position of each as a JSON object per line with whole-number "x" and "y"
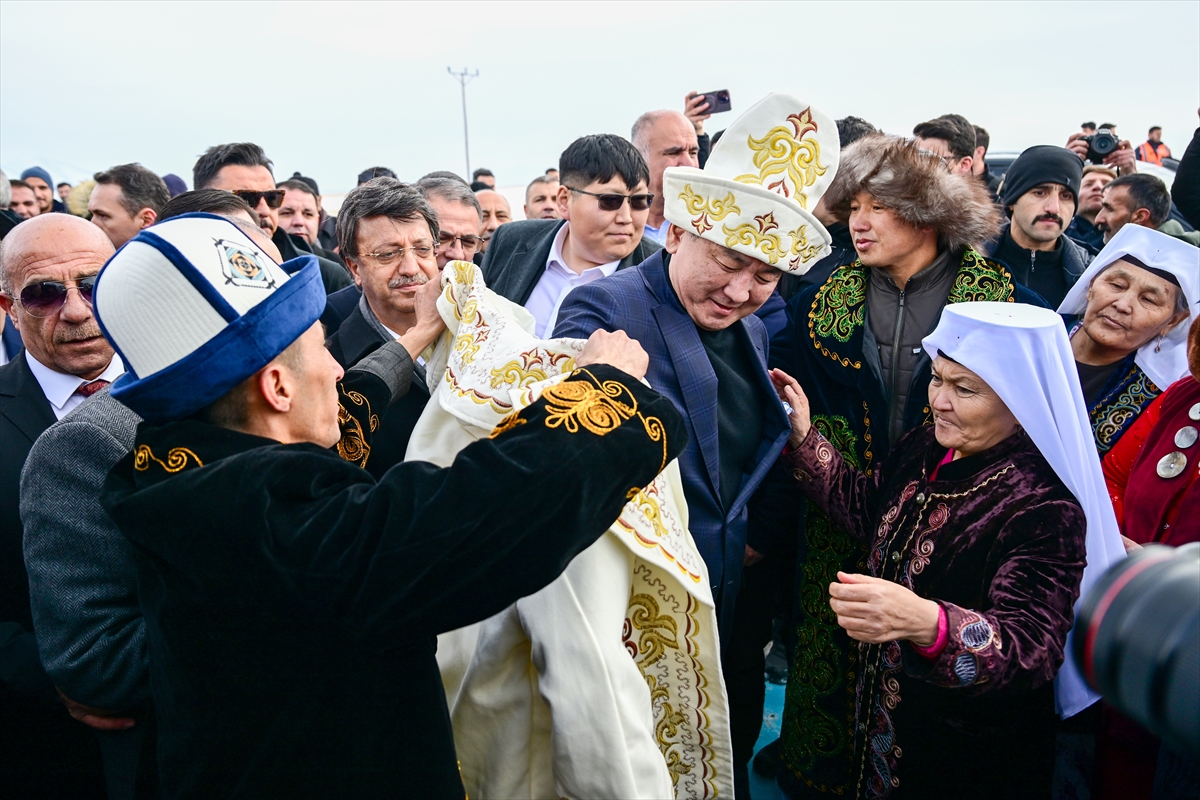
{"x": 463, "y": 78}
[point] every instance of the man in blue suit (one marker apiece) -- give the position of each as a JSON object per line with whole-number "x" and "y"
{"x": 736, "y": 227}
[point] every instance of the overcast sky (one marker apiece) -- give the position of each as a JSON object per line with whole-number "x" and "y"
{"x": 332, "y": 88}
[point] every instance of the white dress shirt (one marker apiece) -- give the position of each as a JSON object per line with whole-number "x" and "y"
{"x": 59, "y": 387}
{"x": 557, "y": 282}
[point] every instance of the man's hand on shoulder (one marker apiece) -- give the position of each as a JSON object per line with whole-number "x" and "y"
{"x": 617, "y": 350}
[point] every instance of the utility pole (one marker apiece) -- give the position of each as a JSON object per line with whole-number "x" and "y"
{"x": 463, "y": 78}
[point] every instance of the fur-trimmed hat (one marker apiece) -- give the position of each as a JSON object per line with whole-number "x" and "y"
{"x": 917, "y": 186}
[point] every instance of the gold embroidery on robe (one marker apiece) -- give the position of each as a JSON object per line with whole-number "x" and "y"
{"x": 177, "y": 459}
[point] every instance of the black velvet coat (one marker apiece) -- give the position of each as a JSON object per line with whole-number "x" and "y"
{"x": 998, "y": 541}
{"x": 292, "y": 601}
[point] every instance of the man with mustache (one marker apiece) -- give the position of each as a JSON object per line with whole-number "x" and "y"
{"x": 388, "y": 234}
{"x": 47, "y": 267}
{"x": 1040, "y": 193}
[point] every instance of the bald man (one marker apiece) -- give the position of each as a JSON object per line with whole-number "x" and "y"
{"x": 665, "y": 139}
{"x": 82, "y": 574}
{"x": 496, "y": 212}
{"x": 47, "y": 267}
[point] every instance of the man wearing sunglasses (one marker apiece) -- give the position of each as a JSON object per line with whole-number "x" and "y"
{"x": 47, "y": 270}
{"x": 244, "y": 169}
{"x": 603, "y": 202}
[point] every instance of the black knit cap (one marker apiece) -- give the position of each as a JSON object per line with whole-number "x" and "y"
{"x": 1043, "y": 163}
{"x": 296, "y": 176}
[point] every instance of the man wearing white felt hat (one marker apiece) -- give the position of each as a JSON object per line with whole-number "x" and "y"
{"x": 736, "y": 227}
{"x": 291, "y": 601}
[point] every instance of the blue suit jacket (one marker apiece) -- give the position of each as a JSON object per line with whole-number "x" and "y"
{"x": 642, "y": 303}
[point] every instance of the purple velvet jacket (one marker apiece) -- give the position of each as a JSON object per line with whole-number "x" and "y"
{"x": 998, "y": 541}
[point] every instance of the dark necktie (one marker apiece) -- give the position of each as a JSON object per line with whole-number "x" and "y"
{"x": 90, "y": 388}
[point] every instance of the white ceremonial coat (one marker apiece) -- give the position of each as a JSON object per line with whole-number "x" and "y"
{"x": 607, "y": 683}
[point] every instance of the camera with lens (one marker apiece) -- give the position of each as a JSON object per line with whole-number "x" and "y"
{"x": 1137, "y": 641}
{"x": 1100, "y": 144}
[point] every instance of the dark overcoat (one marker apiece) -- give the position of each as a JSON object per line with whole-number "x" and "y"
{"x": 292, "y": 601}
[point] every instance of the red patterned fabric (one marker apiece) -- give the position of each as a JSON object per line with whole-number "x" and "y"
{"x": 90, "y": 388}
{"x": 1150, "y": 508}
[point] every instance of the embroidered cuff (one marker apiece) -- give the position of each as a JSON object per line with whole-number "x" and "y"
{"x": 939, "y": 644}
{"x": 812, "y": 455}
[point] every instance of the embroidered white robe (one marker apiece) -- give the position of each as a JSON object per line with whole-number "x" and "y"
{"x": 607, "y": 683}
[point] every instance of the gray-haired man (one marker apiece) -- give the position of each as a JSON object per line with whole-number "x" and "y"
{"x": 389, "y": 235}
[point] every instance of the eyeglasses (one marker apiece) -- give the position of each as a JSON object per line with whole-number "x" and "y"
{"x": 613, "y": 201}
{"x": 46, "y": 298}
{"x": 274, "y": 197}
{"x": 469, "y": 242}
{"x": 389, "y": 257}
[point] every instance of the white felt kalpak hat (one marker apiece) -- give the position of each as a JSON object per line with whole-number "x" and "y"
{"x": 1163, "y": 361}
{"x": 1022, "y": 352}
{"x": 194, "y": 307}
{"x": 756, "y": 193}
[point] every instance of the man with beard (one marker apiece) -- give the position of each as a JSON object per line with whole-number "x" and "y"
{"x": 1041, "y": 190}
{"x": 244, "y": 169}
{"x": 47, "y": 269}
{"x": 39, "y": 180}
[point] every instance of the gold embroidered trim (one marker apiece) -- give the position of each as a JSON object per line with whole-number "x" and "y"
{"x": 788, "y": 154}
{"x": 507, "y": 424}
{"x": 353, "y": 445}
{"x": 177, "y": 459}
{"x": 706, "y": 208}
{"x": 762, "y": 240}
{"x": 598, "y": 407}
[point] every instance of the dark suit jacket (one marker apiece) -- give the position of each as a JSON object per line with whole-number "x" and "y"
{"x": 338, "y": 306}
{"x": 353, "y": 341}
{"x": 24, "y": 414}
{"x": 333, "y": 274}
{"x": 642, "y": 303}
{"x": 10, "y": 340}
{"x": 516, "y": 256}
{"x": 43, "y": 752}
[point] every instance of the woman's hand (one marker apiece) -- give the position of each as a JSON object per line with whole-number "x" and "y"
{"x": 792, "y": 395}
{"x": 874, "y": 610}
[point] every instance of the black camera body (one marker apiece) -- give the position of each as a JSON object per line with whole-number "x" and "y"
{"x": 1137, "y": 641}
{"x": 1100, "y": 144}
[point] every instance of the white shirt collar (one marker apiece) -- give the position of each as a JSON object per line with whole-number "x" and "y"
{"x": 556, "y": 256}
{"x": 60, "y": 386}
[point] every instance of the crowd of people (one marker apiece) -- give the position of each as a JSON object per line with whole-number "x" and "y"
{"x": 419, "y": 500}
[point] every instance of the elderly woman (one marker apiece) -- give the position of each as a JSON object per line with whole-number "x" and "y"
{"x": 978, "y": 528}
{"x": 1134, "y": 302}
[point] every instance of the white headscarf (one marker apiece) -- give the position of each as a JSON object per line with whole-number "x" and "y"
{"x": 1163, "y": 361}
{"x": 1022, "y": 352}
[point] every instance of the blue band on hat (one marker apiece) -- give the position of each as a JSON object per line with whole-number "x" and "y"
{"x": 246, "y": 345}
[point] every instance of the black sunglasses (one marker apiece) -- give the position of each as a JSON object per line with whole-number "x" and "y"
{"x": 274, "y": 197}
{"x": 613, "y": 201}
{"x": 45, "y": 298}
